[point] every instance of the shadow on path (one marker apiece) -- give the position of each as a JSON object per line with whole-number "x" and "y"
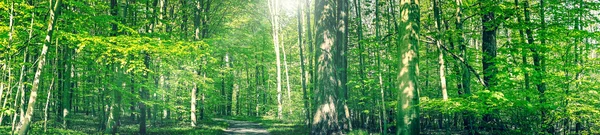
{"x": 243, "y": 128}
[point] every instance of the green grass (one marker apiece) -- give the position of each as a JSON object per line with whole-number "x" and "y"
{"x": 174, "y": 127}
{"x": 83, "y": 125}
{"x": 6, "y": 130}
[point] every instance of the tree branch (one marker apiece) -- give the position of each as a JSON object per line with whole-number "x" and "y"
{"x": 458, "y": 58}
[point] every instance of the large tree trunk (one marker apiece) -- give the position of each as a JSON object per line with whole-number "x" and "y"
{"x": 24, "y": 124}
{"x": 330, "y": 91}
{"x": 407, "y": 118}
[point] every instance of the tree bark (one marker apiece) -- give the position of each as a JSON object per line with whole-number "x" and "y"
{"x": 488, "y": 44}
{"x": 408, "y": 95}
{"x": 329, "y": 92}
{"x": 442, "y": 65}
{"x": 193, "y": 105}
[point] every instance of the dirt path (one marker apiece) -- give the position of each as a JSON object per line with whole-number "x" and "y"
{"x": 243, "y": 128}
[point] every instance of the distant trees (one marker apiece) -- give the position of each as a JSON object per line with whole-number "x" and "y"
{"x": 351, "y": 66}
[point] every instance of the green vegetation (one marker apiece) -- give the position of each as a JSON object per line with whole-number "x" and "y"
{"x": 300, "y": 66}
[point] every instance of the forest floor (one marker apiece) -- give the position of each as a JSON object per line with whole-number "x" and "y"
{"x": 274, "y": 126}
{"x": 243, "y": 128}
{"x": 82, "y": 124}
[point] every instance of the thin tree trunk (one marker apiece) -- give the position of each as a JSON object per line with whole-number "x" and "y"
{"x": 466, "y": 75}
{"x": 193, "y": 105}
{"x": 46, "y": 106}
{"x": 274, "y": 10}
{"x": 541, "y": 62}
{"x": 311, "y": 61}
{"x": 302, "y": 69}
{"x": 287, "y": 77}
{"x": 21, "y": 90}
{"x": 442, "y": 65}
{"x": 144, "y": 96}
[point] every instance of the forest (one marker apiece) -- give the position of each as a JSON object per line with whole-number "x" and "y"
{"x": 320, "y": 67}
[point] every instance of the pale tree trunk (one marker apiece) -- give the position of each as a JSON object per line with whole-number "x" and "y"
{"x": 274, "y": 10}
{"x": 438, "y": 42}
{"x": 287, "y": 77}
{"x": 20, "y": 90}
{"x": 1, "y": 92}
{"x": 193, "y": 105}
{"x": 24, "y": 124}
{"x": 408, "y": 95}
{"x": 46, "y": 106}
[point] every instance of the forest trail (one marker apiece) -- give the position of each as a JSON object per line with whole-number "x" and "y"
{"x": 243, "y": 128}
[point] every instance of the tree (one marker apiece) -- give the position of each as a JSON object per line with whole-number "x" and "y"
{"x": 24, "y": 123}
{"x": 408, "y": 95}
{"x": 274, "y": 11}
{"x": 327, "y": 93}
{"x": 488, "y": 43}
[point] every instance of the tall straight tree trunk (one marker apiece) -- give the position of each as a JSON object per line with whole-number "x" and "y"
{"x": 407, "y": 118}
{"x": 311, "y": 61}
{"x": 539, "y": 61}
{"x": 438, "y": 42}
{"x": 302, "y": 69}
{"x": 116, "y": 97}
{"x": 361, "y": 51}
{"x": 466, "y": 75}
{"x": 46, "y": 106}
{"x": 24, "y": 124}
{"x": 329, "y": 93}
{"x": 287, "y": 77}
{"x": 342, "y": 65}
{"x": 144, "y": 96}
{"x": 274, "y": 10}
{"x": 193, "y": 105}
{"x": 488, "y": 44}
